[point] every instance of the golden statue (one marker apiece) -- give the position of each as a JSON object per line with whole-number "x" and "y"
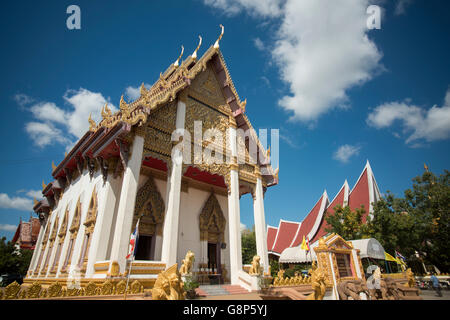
{"x": 410, "y": 278}
{"x": 168, "y": 285}
{"x": 317, "y": 283}
{"x": 187, "y": 263}
{"x": 255, "y": 269}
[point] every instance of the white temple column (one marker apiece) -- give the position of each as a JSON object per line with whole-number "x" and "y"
{"x": 172, "y": 215}
{"x": 127, "y": 201}
{"x": 37, "y": 249}
{"x": 260, "y": 225}
{"x": 99, "y": 243}
{"x": 234, "y": 220}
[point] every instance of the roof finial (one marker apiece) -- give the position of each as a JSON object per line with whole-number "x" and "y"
{"x": 176, "y": 63}
{"x": 143, "y": 89}
{"x": 106, "y": 111}
{"x": 35, "y": 201}
{"x": 53, "y": 166}
{"x": 425, "y": 167}
{"x": 194, "y": 54}
{"x": 43, "y": 185}
{"x": 216, "y": 45}
{"x": 92, "y": 123}
{"x": 276, "y": 172}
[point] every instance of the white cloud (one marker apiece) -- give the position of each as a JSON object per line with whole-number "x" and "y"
{"x": 132, "y": 93}
{"x": 259, "y": 44}
{"x": 243, "y": 227}
{"x": 8, "y": 227}
{"x": 34, "y": 194}
{"x": 84, "y": 102}
{"x": 345, "y": 152}
{"x": 265, "y": 8}
{"x": 17, "y": 203}
{"x": 64, "y": 125}
{"x": 417, "y": 122}
{"x": 401, "y": 5}
{"x": 321, "y": 48}
{"x": 22, "y": 99}
{"x": 44, "y": 134}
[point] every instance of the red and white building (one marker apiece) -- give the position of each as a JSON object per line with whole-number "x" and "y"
{"x": 290, "y": 233}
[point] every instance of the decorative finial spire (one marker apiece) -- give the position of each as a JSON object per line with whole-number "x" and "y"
{"x": 194, "y": 54}
{"x": 425, "y": 167}
{"x": 243, "y": 104}
{"x": 106, "y": 112}
{"x": 142, "y": 89}
{"x": 35, "y": 201}
{"x": 53, "y": 166}
{"x": 216, "y": 45}
{"x": 65, "y": 154}
{"x": 268, "y": 152}
{"x": 43, "y": 185}
{"x": 176, "y": 63}
{"x": 92, "y": 123}
{"x": 123, "y": 105}
{"x": 276, "y": 172}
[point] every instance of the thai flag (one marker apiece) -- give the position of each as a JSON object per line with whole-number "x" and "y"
{"x": 398, "y": 255}
{"x": 133, "y": 241}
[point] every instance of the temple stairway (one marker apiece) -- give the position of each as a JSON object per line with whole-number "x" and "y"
{"x": 220, "y": 290}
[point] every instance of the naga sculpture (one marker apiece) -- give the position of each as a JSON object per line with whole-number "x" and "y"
{"x": 318, "y": 283}
{"x": 168, "y": 285}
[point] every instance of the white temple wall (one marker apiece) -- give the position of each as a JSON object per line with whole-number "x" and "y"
{"x": 191, "y": 205}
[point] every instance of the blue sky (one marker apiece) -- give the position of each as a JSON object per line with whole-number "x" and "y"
{"x": 308, "y": 68}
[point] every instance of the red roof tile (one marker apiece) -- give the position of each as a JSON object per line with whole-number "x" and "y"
{"x": 286, "y": 232}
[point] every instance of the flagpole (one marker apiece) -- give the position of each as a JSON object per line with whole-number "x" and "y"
{"x": 128, "y": 279}
{"x": 131, "y": 262}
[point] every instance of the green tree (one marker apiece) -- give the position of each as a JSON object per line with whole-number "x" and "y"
{"x": 248, "y": 239}
{"x": 13, "y": 260}
{"x": 346, "y": 222}
{"x": 429, "y": 205}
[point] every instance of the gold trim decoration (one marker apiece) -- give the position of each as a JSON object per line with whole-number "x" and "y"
{"x": 150, "y": 206}
{"x": 212, "y": 221}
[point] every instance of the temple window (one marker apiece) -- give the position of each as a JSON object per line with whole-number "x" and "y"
{"x": 344, "y": 265}
{"x": 89, "y": 223}
{"x": 73, "y": 230}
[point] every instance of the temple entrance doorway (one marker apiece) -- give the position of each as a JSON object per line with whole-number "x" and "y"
{"x": 145, "y": 248}
{"x": 214, "y": 263}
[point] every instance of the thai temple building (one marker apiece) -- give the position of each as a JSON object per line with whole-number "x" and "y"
{"x": 27, "y": 233}
{"x": 290, "y": 233}
{"x": 131, "y": 167}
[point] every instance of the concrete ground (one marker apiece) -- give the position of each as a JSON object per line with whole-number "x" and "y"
{"x": 431, "y": 295}
{"x": 246, "y": 296}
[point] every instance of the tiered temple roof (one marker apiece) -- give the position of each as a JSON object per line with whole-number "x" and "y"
{"x": 290, "y": 234}
{"x": 107, "y": 139}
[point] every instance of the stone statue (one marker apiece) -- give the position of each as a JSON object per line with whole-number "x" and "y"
{"x": 255, "y": 269}
{"x": 187, "y": 263}
{"x": 352, "y": 288}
